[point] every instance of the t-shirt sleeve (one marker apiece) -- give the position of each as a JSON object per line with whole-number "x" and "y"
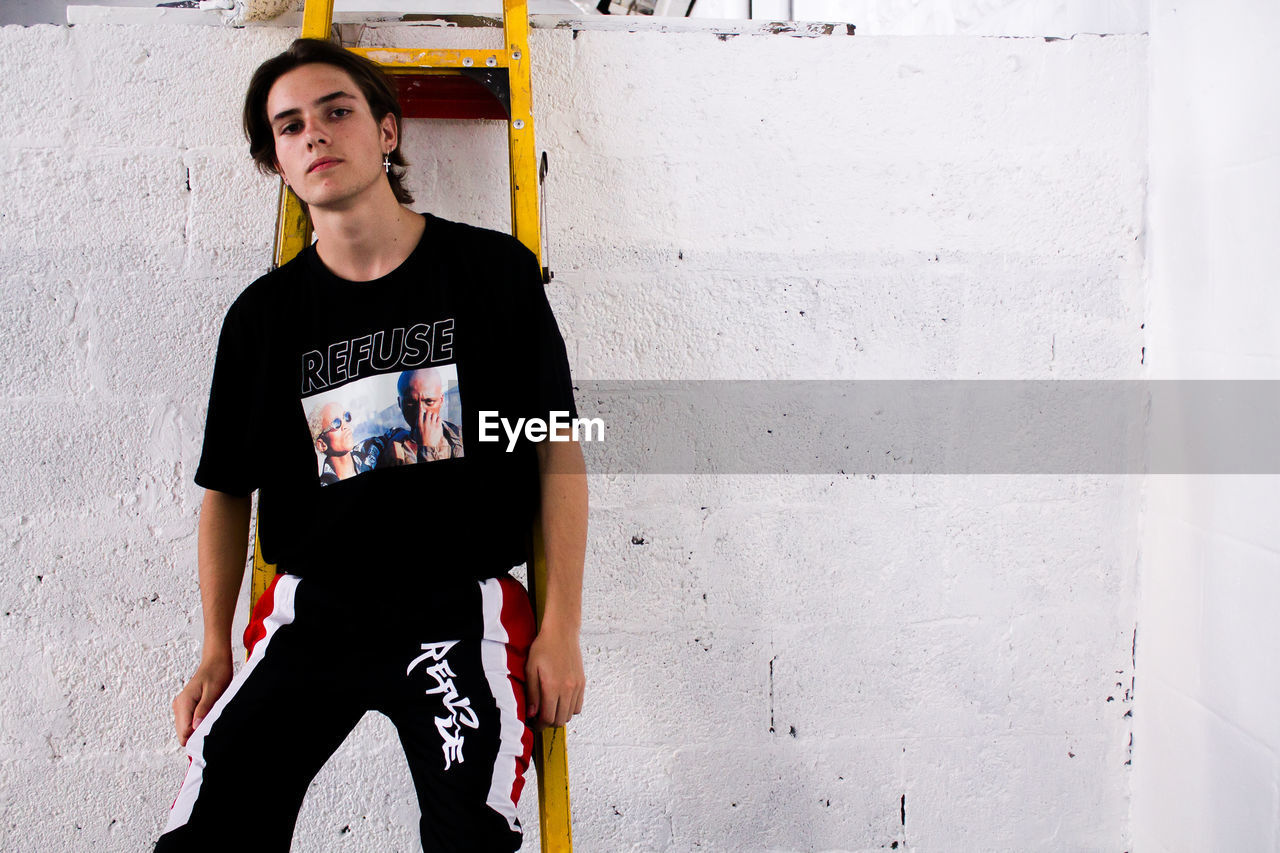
{"x": 549, "y": 385}
{"x": 226, "y": 459}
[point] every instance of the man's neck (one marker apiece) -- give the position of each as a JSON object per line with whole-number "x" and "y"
{"x": 344, "y": 466}
{"x": 367, "y": 240}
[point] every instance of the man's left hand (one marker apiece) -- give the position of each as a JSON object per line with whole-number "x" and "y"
{"x": 554, "y": 678}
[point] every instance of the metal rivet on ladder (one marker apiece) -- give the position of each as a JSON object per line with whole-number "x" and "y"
{"x": 518, "y": 123}
{"x": 491, "y": 61}
{"x": 515, "y": 54}
{"x": 468, "y": 61}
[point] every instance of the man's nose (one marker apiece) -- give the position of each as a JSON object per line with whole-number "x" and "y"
{"x": 317, "y": 135}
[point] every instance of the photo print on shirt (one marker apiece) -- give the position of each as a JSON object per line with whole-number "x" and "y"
{"x": 398, "y": 418}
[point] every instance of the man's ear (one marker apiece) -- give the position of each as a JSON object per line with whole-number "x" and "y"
{"x": 390, "y": 132}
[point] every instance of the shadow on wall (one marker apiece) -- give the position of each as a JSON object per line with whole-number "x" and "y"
{"x": 29, "y": 12}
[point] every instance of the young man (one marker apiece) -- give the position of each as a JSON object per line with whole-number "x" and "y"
{"x": 389, "y": 335}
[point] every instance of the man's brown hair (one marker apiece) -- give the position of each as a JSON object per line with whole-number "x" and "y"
{"x": 377, "y": 90}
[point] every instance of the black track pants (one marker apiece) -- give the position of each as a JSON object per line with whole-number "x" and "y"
{"x": 449, "y": 673}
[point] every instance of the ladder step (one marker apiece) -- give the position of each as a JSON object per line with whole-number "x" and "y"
{"x": 406, "y": 60}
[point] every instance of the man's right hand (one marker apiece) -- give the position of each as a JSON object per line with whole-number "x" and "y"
{"x": 194, "y": 701}
{"x": 431, "y": 428}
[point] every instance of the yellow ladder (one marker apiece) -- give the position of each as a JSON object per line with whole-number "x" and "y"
{"x": 293, "y": 234}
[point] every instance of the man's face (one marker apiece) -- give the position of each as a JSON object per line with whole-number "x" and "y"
{"x": 329, "y": 147}
{"x": 422, "y": 396}
{"x": 335, "y": 441}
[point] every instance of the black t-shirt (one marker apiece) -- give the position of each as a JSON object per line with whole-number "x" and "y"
{"x": 354, "y": 409}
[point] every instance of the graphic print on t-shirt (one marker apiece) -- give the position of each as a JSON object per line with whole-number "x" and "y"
{"x": 363, "y": 416}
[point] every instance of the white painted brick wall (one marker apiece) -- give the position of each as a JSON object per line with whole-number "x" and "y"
{"x": 1207, "y": 727}
{"x": 1062, "y": 18}
{"x": 784, "y": 659}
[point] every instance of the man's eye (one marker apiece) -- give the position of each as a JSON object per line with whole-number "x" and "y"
{"x": 289, "y": 128}
{"x": 342, "y": 110}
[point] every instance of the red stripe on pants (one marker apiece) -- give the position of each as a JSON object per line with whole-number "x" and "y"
{"x": 517, "y": 619}
{"x": 257, "y": 629}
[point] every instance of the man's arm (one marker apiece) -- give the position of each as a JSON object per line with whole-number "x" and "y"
{"x": 554, "y": 675}
{"x": 222, "y": 547}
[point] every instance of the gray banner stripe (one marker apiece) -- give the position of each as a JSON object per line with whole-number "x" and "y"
{"x": 933, "y": 426}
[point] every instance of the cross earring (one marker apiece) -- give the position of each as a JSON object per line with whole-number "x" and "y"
{"x": 386, "y": 164}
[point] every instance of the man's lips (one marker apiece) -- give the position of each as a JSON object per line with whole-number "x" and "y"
{"x": 323, "y": 163}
